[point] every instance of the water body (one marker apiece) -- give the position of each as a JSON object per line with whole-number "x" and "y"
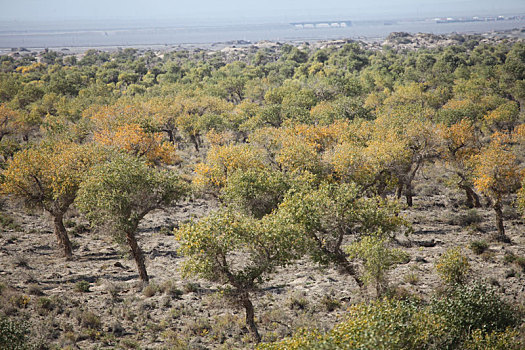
{"x": 111, "y": 35}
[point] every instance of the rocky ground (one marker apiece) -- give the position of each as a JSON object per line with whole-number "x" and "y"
{"x": 95, "y": 300}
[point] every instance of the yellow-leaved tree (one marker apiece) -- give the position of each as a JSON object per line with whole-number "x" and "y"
{"x": 49, "y": 175}
{"x": 496, "y": 174}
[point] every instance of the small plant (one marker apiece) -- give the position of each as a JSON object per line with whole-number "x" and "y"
{"x": 297, "y": 301}
{"x": 170, "y": 288}
{"x": 150, "y": 290}
{"x": 329, "y": 303}
{"x": 520, "y": 262}
{"x": 34, "y": 290}
{"x": 127, "y": 343}
{"x": 82, "y": 287}
{"x": 411, "y": 278}
{"x": 7, "y": 222}
{"x": 509, "y": 258}
{"x": 378, "y": 259}
{"x": 453, "y": 267}
{"x": 199, "y": 327}
{"x": 44, "y": 305}
{"x": 13, "y": 335}
{"x": 469, "y": 218}
{"x": 478, "y": 247}
{"x": 191, "y": 287}
{"x": 90, "y": 320}
{"x": 21, "y": 261}
{"x": 20, "y": 300}
{"x": 113, "y": 290}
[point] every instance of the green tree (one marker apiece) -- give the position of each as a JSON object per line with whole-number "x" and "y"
{"x": 238, "y": 252}
{"x": 120, "y": 192}
{"x": 378, "y": 259}
{"x": 335, "y": 212}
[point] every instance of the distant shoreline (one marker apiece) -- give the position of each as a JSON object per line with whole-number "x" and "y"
{"x": 517, "y": 32}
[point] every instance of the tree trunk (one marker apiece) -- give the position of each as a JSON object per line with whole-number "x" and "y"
{"x": 195, "y": 141}
{"x": 62, "y": 237}
{"x": 170, "y": 135}
{"x": 399, "y": 190}
{"x": 250, "y": 316}
{"x": 138, "y": 256}
{"x": 408, "y": 194}
{"x": 347, "y": 267}
{"x": 501, "y": 237}
{"x": 472, "y": 197}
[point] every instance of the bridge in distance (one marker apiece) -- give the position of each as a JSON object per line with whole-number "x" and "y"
{"x": 322, "y": 24}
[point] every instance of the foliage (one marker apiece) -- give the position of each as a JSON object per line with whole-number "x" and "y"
{"x": 120, "y": 192}
{"x": 377, "y": 258}
{"x": 256, "y": 192}
{"x": 13, "y": 334}
{"x": 332, "y": 212}
{"x": 49, "y": 174}
{"x": 468, "y": 318}
{"x": 453, "y": 267}
{"x": 213, "y": 247}
{"x": 478, "y": 247}
{"x": 473, "y": 307}
{"x": 238, "y": 252}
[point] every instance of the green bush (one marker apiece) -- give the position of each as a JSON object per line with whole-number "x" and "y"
{"x": 478, "y": 247}
{"x": 13, "y": 335}
{"x": 467, "y": 308}
{"x": 468, "y": 317}
{"x": 453, "y": 267}
{"x": 382, "y": 324}
{"x": 82, "y": 286}
{"x": 470, "y": 217}
{"x": 505, "y": 340}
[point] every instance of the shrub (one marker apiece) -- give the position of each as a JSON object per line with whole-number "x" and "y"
{"x": 478, "y": 247}
{"x": 45, "y": 305}
{"x": 150, "y": 290}
{"x": 520, "y": 261}
{"x": 13, "y": 335}
{"x": 382, "y": 324}
{"x": 505, "y": 340}
{"x": 453, "y": 267}
{"x": 378, "y": 259}
{"x": 473, "y": 307}
{"x": 90, "y": 320}
{"x": 297, "y": 301}
{"x": 82, "y": 287}
{"x": 469, "y": 317}
{"x": 330, "y": 303}
{"x": 170, "y": 288}
{"x": 468, "y": 218}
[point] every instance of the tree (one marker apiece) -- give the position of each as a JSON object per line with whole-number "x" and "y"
{"x": 238, "y": 252}
{"x": 496, "y": 174}
{"x": 8, "y": 121}
{"x": 49, "y": 175}
{"x": 378, "y": 259}
{"x": 222, "y": 161}
{"x": 334, "y": 212}
{"x": 120, "y": 192}
{"x": 255, "y": 192}
{"x": 521, "y": 197}
{"x": 460, "y": 144}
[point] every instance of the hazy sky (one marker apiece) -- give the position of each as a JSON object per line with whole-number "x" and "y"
{"x": 244, "y": 10}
